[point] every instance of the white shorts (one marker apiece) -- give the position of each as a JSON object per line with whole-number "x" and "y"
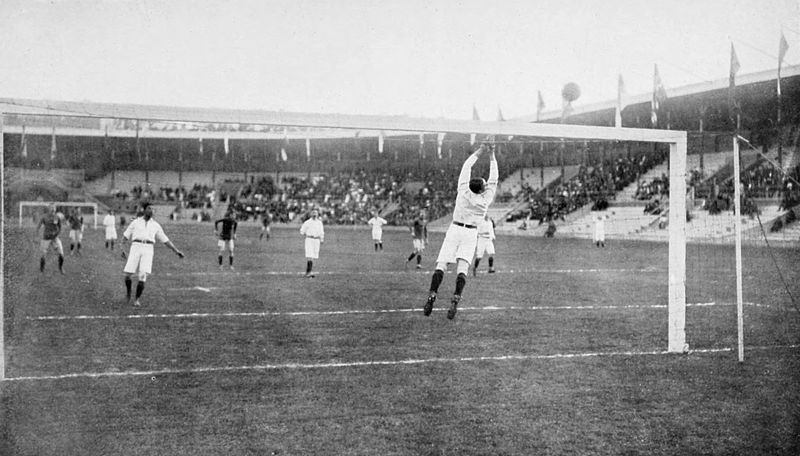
{"x": 459, "y": 244}
{"x": 312, "y": 248}
{"x": 484, "y": 245}
{"x": 599, "y": 235}
{"x": 111, "y": 233}
{"x": 222, "y": 244}
{"x": 140, "y": 258}
{"x": 377, "y": 236}
{"x": 419, "y": 245}
{"x": 46, "y": 244}
{"x": 76, "y": 235}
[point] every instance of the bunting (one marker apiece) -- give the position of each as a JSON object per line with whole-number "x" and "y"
{"x": 732, "y": 102}
{"x": 24, "y": 143}
{"x": 226, "y": 145}
{"x": 422, "y": 145}
{"x": 380, "y": 142}
{"x": 284, "y": 144}
{"x": 474, "y": 117}
{"x": 53, "y": 147}
{"x": 659, "y": 95}
{"x": 783, "y": 47}
{"x": 620, "y": 102}
{"x": 440, "y": 141}
{"x": 539, "y": 105}
{"x": 308, "y": 147}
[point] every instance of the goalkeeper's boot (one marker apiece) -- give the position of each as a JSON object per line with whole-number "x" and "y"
{"x": 451, "y": 313}
{"x": 429, "y": 304}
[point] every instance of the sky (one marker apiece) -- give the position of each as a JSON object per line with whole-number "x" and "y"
{"x": 419, "y": 58}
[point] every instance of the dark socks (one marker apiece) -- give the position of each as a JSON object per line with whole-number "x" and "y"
{"x": 461, "y": 280}
{"x": 219, "y": 259}
{"x": 491, "y": 262}
{"x": 41, "y": 264}
{"x": 128, "y": 287}
{"x": 436, "y": 280}
{"x": 230, "y": 260}
{"x": 309, "y": 264}
{"x": 419, "y": 258}
{"x": 477, "y": 262}
{"x": 61, "y": 263}
{"x": 139, "y": 289}
{"x": 411, "y": 257}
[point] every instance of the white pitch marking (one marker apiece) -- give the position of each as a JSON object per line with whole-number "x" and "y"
{"x": 510, "y": 271}
{"x": 312, "y": 313}
{"x": 352, "y": 364}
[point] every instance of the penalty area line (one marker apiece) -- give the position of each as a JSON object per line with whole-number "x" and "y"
{"x": 410, "y": 271}
{"x": 377, "y": 363}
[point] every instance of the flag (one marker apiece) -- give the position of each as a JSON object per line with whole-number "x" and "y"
{"x": 439, "y": 144}
{"x": 53, "y": 148}
{"x": 422, "y": 145}
{"x": 659, "y": 95}
{"x": 308, "y": 148}
{"x": 539, "y": 105}
{"x": 732, "y": 82}
{"x": 24, "y": 143}
{"x": 500, "y": 117}
{"x": 285, "y": 142}
{"x": 226, "y": 145}
{"x": 783, "y": 46}
{"x": 474, "y": 117}
{"x": 620, "y": 101}
{"x": 380, "y": 142}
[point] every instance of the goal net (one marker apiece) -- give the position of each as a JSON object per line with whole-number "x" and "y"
{"x": 30, "y": 212}
{"x": 191, "y": 151}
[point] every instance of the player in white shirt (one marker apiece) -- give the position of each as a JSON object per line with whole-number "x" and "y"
{"x": 110, "y": 224}
{"x": 600, "y": 231}
{"x": 377, "y": 223}
{"x": 143, "y": 232}
{"x": 485, "y": 244}
{"x": 314, "y": 233}
{"x": 473, "y": 200}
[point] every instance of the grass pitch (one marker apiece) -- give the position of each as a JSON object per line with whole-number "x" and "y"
{"x": 561, "y": 352}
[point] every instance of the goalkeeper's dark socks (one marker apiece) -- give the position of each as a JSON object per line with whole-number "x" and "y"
{"x": 41, "y": 264}
{"x": 309, "y": 265}
{"x": 128, "y": 287}
{"x": 436, "y": 280}
{"x": 380, "y": 244}
{"x": 461, "y": 280}
{"x": 411, "y": 257}
{"x": 219, "y": 260}
{"x": 478, "y": 261}
{"x": 419, "y": 259}
{"x": 376, "y": 246}
{"x": 61, "y": 263}
{"x": 230, "y": 260}
{"x": 491, "y": 262}
{"x": 139, "y": 289}
{"x": 106, "y": 244}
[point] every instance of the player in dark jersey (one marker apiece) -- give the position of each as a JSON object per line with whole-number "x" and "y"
{"x": 266, "y": 221}
{"x": 419, "y": 235}
{"x": 75, "y": 232}
{"x": 226, "y": 237}
{"x": 52, "y": 226}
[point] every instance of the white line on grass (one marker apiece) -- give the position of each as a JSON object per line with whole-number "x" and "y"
{"x": 412, "y": 271}
{"x": 352, "y": 364}
{"x": 313, "y": 313}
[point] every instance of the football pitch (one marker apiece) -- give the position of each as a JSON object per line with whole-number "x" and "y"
{"x": 562, "y": 351}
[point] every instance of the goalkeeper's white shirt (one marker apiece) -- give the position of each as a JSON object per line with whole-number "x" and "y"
{"x": 471, "y": 207}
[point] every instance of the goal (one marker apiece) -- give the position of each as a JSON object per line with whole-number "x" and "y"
{"x": 31, "y": 211}
{"x": 228, "y": 145}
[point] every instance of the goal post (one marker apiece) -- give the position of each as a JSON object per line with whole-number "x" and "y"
{"x": 27, "y": 207}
